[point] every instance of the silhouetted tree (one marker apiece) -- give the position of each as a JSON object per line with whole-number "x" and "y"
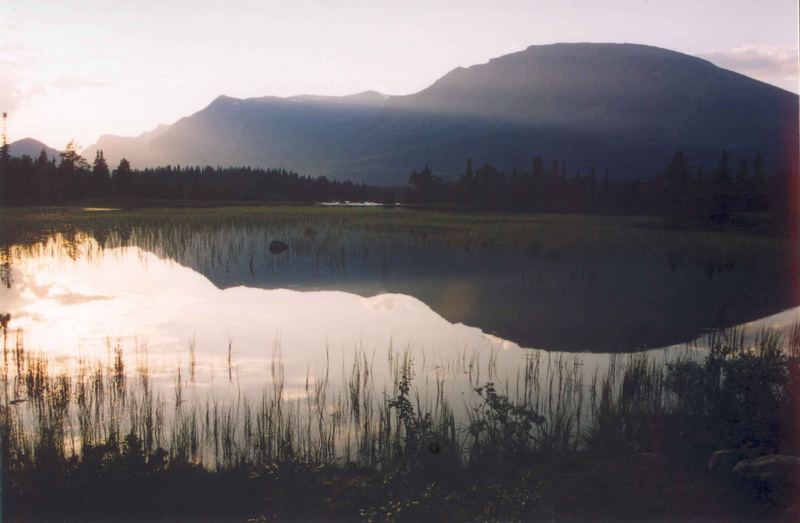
{"x": 122, "y": 179}
{"x": 100, "y": 175}
{"x": 426, "y": 185}
{"x": 676, "y": 194}
{"x": 721, "y": 194}
{"x": 759, "y": 195}
{"x": 743, "y": 187}
{"x": 5, "y": 154}
{"x": 677, "y": 190}
{"x": 71, "y": 159}
{"x": 71, "y": 170}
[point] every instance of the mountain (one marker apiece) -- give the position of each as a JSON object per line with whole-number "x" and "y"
{"x": 132, "y": 147}
{"x": 624, "y": 108}
{"x": 30, "y": 147}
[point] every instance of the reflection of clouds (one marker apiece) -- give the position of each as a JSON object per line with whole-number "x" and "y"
{"x": 22, "y": 314}
{"x": 83, "y": 304}
{"x": 28, "y": 288}
{"x": 500, "y": 342}
{"x": 80, "y": 307}
{"x": 383, "y": 302}
{"x": 74, "y": 298}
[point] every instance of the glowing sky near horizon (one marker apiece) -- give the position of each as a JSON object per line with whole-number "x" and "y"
{"x": 84, "y": 68}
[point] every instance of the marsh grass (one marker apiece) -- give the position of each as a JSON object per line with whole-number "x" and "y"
{"x": 100, "y": 424}
{"x": 228, "y": 231}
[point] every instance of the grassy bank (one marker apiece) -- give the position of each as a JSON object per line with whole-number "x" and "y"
{"x": 326, "y": 229}
{"x": 101, "y": 440}
{"x": 456, "y": 228}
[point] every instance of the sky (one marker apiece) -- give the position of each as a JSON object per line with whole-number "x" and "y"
{"x": 79, "y": 69}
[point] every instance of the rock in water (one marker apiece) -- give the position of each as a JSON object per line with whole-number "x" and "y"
{"x": 277, "y": 247}
{"x": 780, "y": 473}
{"x": 722, "y": 461}
{"x": 769, "y": 468}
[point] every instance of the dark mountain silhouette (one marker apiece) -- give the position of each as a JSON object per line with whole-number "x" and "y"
{"x": 621, "y": 107}
{"x": 30, "y": 147}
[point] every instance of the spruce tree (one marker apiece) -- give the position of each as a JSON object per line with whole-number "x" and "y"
{"x": 721, "y": 192}
{"x": 122, "y": 179}
{"x": 42, "y": 160}
{"x": 5, "y": 153}
{"x": 100, "y": 175}
{"x": 100, "y": 167}
{"x": 676, "y": 185}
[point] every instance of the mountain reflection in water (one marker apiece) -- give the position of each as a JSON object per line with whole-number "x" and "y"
{"x": 76, "y": 302}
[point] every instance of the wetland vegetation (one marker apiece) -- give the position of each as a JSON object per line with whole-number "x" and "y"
{"x": 169, "y": 420}
{"x": 101, "y": 441}
{"x": 539, "y": 280}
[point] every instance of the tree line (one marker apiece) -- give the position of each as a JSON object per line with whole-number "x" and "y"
{"x": 44, "y": 180}
{"x": 734, "y": 188}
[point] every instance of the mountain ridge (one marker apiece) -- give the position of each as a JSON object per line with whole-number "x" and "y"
{"x": 621, "y": 107}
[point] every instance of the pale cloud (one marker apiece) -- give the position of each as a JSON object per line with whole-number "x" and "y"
{"x": 60, "y": 84}
{"x": 18, "y": 88}
{"x": 11, "y": 78}
{"x": 16, "y": 91}
{"x": 34, "y": 98}
{"x": 9, "y": 91}
{"x": 74, "y": 82}
{"x": 777, "y": 65}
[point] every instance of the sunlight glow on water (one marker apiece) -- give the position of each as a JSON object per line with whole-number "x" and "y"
{"x": 69, "y": 306}
{"x": 77, "y": 301}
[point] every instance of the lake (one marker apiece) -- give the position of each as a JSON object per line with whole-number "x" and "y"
{"x": 245, "y": 333}
{"x": 450, "y": 289}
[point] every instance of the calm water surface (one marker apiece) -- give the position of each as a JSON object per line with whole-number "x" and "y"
{"x": 218, "y": 299}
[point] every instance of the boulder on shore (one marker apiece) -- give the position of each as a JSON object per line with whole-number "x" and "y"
{"x": 277, "y": 247}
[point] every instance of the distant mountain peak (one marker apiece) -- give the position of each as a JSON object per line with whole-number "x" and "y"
{"x": 30, "y": 147}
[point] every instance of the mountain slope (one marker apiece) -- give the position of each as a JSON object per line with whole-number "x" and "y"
{"x": 620, "y": 107}
{"x": 127, "y": 146}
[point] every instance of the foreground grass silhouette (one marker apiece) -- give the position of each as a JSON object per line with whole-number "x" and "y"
{"x": 100, "y": 441}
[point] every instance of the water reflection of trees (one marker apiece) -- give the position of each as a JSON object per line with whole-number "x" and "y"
{"x": 5, "y": 268}
{"x": 562, "y": 282}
